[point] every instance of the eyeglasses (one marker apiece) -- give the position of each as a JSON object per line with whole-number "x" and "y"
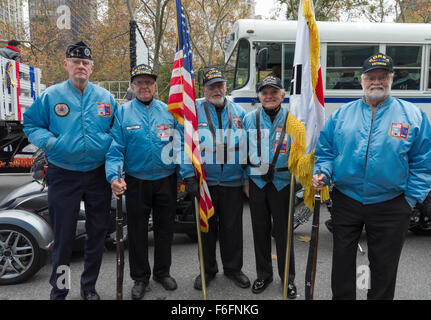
{"x": 215, "y": 86}
{"x": 381, "y": 78}
{"x": 77, "y": 62}
{"x": 142, "y": 83}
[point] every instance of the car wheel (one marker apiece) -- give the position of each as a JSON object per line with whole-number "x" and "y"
{"x": 20, "y": 255}
{"x": 422, "y": 230}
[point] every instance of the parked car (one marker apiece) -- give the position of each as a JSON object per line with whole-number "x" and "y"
{"x": 26, "y": 235}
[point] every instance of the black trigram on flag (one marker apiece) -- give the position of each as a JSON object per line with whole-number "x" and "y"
{"x": 295, "y": 83}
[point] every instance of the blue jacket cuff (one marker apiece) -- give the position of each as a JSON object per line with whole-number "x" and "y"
{"x": 50, "y": 142}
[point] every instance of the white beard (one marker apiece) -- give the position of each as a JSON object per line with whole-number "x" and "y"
{"x": 378, "y": 96}
{"x": 217, "y": 102}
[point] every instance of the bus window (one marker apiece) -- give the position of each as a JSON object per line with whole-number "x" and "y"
{"x": 289, "y": 55}
{"x": 407, "y": 66}
{"x": 237, "y": 68}
{"x": 344, "y": 65}
{"x": 274, "y": 60}
{"x": 429, "y": 74}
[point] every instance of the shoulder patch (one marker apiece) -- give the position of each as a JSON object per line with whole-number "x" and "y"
{"x": 103, "y": 109}
{"x": 399, "y": 130}
{"x": 237, "y": 122}
{"x": 61, "y": 109}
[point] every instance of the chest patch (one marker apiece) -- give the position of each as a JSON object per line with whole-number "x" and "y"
{"x": 237, "y": 123}
{"x": 61, "y": 109}
{"x": 103, "y": 109}
{"x": 283, "y": 149}
{"x": 133, "y": 128}
{"x": 163, "y": 131}
{"x": 399, "y": 130}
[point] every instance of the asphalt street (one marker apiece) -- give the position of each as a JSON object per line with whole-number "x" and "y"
{"x": 413, "y": 281}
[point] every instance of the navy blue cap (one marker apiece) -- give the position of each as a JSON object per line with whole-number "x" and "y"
{"x": 79, "y": 50}
{"x": 270, "y": 81}
{"x": 142, "y": 70}
{"x": 378, "y": 61}
{"x": 213, "y": 75}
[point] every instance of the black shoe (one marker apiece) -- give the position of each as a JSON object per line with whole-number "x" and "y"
{"x": 138, "y": 289}
{"x": 240, "y": 279}
{"x": 259, "y": 285}
{"x": 198, "y": 281}
{"x": 291, "y": 291}
{"x": 89, "y": 295}
{"x": 167, "y": 282}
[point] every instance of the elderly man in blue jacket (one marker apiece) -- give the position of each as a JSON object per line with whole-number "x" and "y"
{"x": 145, "y": 138}
{"x": 377, "y": 152}
{"x": 71, "y": 122}
{"x": 269, "y": 180}
{"x": 220, "y": 124}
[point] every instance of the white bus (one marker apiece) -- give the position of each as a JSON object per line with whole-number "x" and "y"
{"x": 343, "y": 48}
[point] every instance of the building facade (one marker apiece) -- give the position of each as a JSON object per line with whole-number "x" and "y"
{"x": 69, "y": 16}
{"x": 11, "y": 18}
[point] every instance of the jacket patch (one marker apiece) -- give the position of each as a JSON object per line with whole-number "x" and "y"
{"x": 237, "y": 122}
{"x": 133, "y": 128}
{"x": 61, "y": 109}
{"x": 283, "y": 149}
{"x": 103, "y": 109}
{"x": 399, "y": 130}
{"x": 163, "y": 131}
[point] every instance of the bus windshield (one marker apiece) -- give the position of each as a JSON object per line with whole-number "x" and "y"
{"x": 237, "y": 69}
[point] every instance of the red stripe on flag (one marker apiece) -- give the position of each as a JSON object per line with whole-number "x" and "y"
{"x": 319, "y": 89}
{"x": 18, "y": 91}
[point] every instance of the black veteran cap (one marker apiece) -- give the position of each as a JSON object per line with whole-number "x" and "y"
{"x": 213, "y": 75}
{"x": 142, "y": 70}
{"x": 78, "y": 50}
{"x": 269, "y": 81}
{"x": 378, "y": 61}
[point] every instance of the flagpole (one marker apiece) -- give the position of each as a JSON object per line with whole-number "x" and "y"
{"x": 289, "y": 235}
{"x": 189, "y": 136}
{"x": 201, "y": 258}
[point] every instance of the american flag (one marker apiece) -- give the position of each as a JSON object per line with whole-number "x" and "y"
{"x": 182, "y": 105}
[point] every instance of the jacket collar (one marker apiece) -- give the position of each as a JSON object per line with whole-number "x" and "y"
{"x": 87, "y": 89}
{"x": 385, "y": 103}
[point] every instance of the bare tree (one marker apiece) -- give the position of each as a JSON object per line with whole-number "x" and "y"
{"x": 208, "y": 21}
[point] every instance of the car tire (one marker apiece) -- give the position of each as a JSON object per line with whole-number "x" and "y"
{"x": 23, "y": 263}
{"x": 421, "y": 230}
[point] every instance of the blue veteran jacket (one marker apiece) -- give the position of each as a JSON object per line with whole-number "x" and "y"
{"x": 144, "y": 139}
{"x": 374, "y": 160}
{"x": 217, "y": 170}
{"x": 270, "y": 135}
{"x": 72, "y": 127}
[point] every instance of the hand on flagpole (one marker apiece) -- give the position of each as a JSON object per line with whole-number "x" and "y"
{"x": 118, "y": 187}
{"x": 318, "y": 181}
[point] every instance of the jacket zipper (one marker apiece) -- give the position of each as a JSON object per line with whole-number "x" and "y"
{"x": 219, "y": 118}
{"x": 368, "y": 147}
